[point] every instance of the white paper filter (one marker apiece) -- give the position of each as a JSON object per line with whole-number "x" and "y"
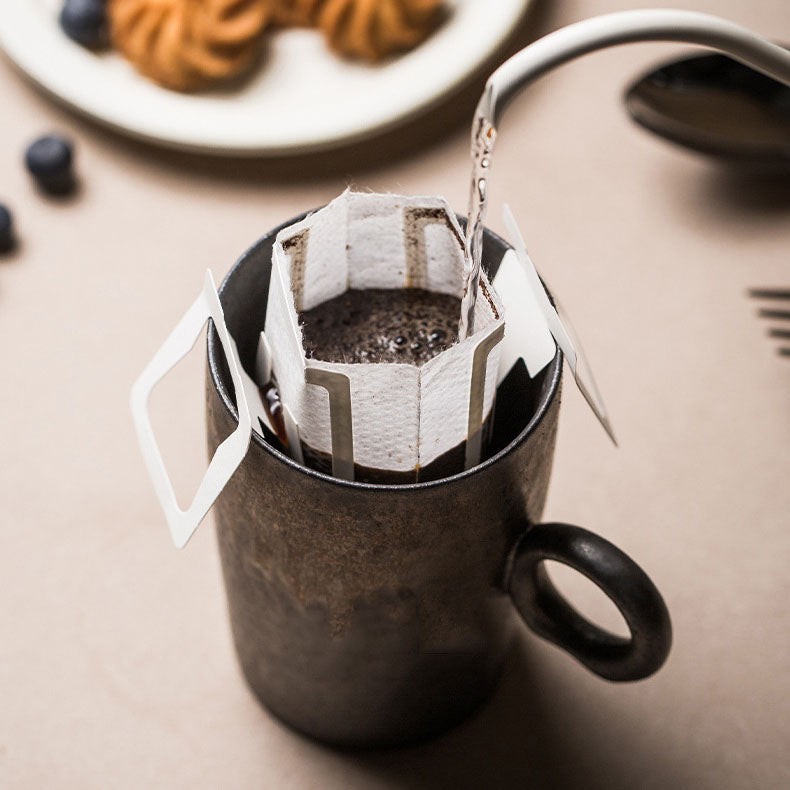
{"x": 403, "y": 416}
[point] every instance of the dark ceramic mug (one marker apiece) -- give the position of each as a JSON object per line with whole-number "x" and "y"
{"x": 379, "y": 614}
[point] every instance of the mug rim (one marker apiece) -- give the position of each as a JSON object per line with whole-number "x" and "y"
{"x": 256, "y": 436}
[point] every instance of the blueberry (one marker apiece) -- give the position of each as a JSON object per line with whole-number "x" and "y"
{"x": 6, "y": 229}
{"x": 85, "y": 21}
{"x": 49, "y": 161}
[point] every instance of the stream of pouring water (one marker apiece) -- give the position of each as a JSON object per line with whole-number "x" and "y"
{"x": 483, "y": 138}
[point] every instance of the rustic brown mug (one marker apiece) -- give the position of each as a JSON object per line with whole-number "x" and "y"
{"x": 373, "y": 615}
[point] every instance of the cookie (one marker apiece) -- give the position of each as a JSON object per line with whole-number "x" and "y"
{"x": 372, "y": 29}
{"x": 189, "y": 44}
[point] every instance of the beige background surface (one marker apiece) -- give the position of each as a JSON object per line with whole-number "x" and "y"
{"x": 116, "y": 667}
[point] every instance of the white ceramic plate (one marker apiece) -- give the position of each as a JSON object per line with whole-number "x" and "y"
{"x": 302, "y": 98}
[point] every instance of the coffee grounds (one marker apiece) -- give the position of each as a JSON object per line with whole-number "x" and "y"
{"x": 406, "y": 325}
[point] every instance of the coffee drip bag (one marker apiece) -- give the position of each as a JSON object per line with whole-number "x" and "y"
{"x": 358, "y": 411}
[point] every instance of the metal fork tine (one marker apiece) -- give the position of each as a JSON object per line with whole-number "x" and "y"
{"x": 780, "y": 333}
{"x": 769, "y": 293}
{"x": 782, "y": 315}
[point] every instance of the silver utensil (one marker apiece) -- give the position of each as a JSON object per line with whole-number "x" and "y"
{"x": 715, "y": 105}
{"x": 775, "y": 297}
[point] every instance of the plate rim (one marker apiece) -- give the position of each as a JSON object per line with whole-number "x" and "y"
{"x": 34, "y": 66}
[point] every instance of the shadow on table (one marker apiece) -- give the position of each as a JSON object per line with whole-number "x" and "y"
{"x": 727, "y": 197}
{"x": 452, "y": 112}
{"x": 730, "y": 191}
{"x": 523, "y": 738}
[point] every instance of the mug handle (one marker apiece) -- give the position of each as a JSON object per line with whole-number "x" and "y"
{"x": 549, "y": 615}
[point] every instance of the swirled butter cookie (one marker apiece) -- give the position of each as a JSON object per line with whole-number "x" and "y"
{"x": 188, "y": 44}
{"x": 373, "y": 29}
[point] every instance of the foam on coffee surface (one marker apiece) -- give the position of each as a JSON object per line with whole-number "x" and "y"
{"x": 406, "y": 325}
